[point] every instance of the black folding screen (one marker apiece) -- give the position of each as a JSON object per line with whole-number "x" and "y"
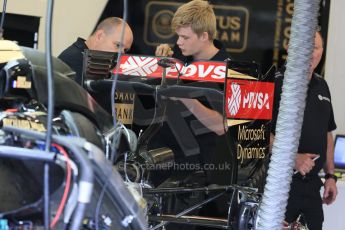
{"x": 22, "y": 29}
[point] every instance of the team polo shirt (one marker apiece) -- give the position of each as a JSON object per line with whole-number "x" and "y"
{"x": 73, "y": 57}
{"x": 318, "y": 118}
{"x": 221, "y": 55}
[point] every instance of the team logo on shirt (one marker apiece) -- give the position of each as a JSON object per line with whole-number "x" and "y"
{"x": 322, "y": 98}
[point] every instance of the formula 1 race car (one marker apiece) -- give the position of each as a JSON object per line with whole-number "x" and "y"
{"x": 84, "y": 190}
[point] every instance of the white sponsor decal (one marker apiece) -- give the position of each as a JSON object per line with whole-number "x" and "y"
{"x": 202, "y": 71}
{"x": 235, "y": 100}
{"x": 256, "y": 100}
{"x": 139, "y": 66}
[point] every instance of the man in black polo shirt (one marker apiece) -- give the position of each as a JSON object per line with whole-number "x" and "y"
{"x": 107, "y": 37}
{"x": 195, "y": 25}
{"x": 316, "y": 141}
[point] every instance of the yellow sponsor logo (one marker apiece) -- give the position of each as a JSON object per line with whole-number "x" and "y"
{"x": 22, "y": 83}
{"x": 124, "y": 113}
{"x": 124, "y": 107}
{"x": 282, "y": 30}
{"x": 24, "y": 124}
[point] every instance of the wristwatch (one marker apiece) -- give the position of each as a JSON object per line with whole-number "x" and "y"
{"x": 329, "y": 175}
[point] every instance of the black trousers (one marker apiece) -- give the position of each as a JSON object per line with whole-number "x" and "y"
{"x": 305, "y": 199}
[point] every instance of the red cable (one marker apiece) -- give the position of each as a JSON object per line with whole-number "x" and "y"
{"x": 66, "y": 190}
{"x": 12, "y": 110}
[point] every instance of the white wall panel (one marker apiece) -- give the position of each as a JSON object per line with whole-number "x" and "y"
{"x": 72, "y": 19}
{"x": 335, "y": 62}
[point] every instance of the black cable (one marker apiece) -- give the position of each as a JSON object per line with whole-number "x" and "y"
{"x": 46, "y": 198}
{"x": 50, "y": 112}
{"x": 178, "y": 75}
{"x": 25, "y": 154}
{"x": 3, "y": 18}
{"x": 49, "y": 63}
{"x": 144, "y": 138}
{"x": 86, "y": 173}
{"x": 113, "y": 86}
{"x": 234, "y": 170}
{"x": 64, "y": 226}
{"x": 78, "y": 216}
{"x": 85, "y": 179}
{"x": 99, "y": 204}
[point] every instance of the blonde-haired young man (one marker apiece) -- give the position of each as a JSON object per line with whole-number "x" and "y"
{"x": 195, "y": 26}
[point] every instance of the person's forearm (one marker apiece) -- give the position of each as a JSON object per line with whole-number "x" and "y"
{"x": 329, "y": 165}
{"x": 208, "y": 117}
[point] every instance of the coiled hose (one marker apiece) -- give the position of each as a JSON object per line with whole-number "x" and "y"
{"x": 290, "y": 117}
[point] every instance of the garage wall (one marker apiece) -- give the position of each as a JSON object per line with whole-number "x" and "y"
{"x": 71, "y": 19}
{"x": 335, "y": 62}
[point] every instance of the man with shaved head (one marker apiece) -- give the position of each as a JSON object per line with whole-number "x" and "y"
{"x": 106, "y": 37}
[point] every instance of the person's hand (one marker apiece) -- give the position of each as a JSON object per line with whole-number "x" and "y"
{"x": 286, "y": 225}
{"x": 330, "y": 192}
{"x": 164, "y": 50}
{"x": 304, "y": 163}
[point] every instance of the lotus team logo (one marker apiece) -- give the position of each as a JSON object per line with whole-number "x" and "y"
{"x": 235, "y": 100}
{"x": 139, "y": 66}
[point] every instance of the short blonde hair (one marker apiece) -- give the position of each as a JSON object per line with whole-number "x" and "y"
{"x": 197, "y": 14}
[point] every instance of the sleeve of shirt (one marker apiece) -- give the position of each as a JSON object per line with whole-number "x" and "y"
{"x": 331, "y": 122}
{"x": 74, "y": 59}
